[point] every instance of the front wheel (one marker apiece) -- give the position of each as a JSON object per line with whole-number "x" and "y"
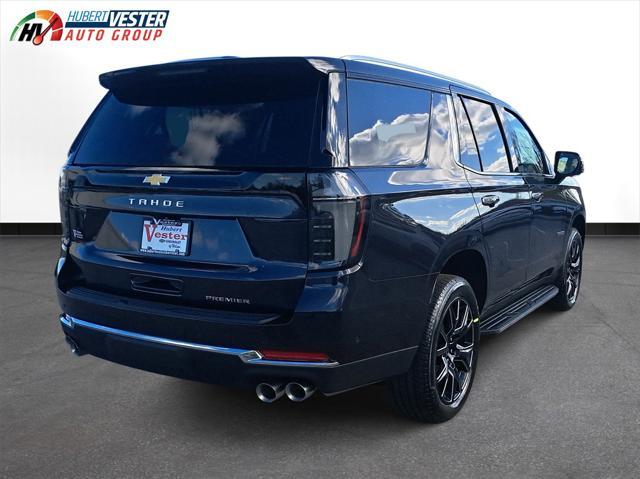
{"x": 439, "y": 380}
{"x": 570, "y": 273}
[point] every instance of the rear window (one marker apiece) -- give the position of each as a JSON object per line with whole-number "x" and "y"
{"x": 252, "y": 122}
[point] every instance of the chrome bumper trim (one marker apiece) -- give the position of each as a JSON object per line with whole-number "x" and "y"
{"x": 248, "y": 356}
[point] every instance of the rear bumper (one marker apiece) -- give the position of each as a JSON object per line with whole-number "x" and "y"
{"x": 232, "y": 367}
{"x": 369, "y": 329}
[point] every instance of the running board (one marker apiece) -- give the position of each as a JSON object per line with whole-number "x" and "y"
{"x": 508, "y": 317}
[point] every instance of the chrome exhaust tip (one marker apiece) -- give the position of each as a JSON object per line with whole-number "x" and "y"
{"x": 75, "y": 349}
{"x": 269, "y": 392}
{"x": 299, "y": 392}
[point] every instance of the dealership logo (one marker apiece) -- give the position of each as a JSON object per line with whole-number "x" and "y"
{"x": 35, "y": 26}
{"x": 91, "y": 25}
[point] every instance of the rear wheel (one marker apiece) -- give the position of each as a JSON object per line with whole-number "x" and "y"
{"x": 440, "y": 378}
{"x": 571, "y": 273}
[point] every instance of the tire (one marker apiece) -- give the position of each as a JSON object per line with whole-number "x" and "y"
{"x": 428, "y": 392}
{"x": 570, "y": 274}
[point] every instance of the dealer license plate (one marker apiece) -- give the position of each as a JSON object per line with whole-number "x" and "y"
{"x": 165, "y": 237}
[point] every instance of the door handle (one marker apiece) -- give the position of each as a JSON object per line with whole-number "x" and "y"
{"x": 490, "y": 200}
{"x": 536, "y": 195}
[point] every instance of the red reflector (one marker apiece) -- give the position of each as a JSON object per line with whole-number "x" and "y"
{"x": 293, "y": 356}
{"x": 357, "y": 242}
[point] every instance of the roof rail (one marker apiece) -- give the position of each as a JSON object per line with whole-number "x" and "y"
{"x": 202, "y": 59}
{"x": 409, "y": 68}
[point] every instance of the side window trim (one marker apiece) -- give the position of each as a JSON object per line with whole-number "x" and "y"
{"x": 459, "y": 95}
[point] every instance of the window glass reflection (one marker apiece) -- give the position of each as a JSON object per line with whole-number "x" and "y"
{"x": 440, "y": 147}
{"x": 468, "y": 151}
{"x": 484, "y": 123}
{"x": 387, "y": 123}
{"x": 523, "y": 148}
{"x": 250, "y": 123}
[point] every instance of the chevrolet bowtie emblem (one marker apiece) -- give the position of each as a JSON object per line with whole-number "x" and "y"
{"x": 156, "y": 179}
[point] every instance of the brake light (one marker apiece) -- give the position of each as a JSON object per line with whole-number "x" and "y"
{"x": 338, "y": 219}
{"x": 63, "y": 194}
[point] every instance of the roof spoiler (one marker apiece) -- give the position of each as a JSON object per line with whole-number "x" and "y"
{"x": 219, "y": 66}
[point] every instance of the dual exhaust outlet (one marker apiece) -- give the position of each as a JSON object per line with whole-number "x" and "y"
{"x": 295, "y": 391}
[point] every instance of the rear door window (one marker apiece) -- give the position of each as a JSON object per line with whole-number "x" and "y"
{"x": 388, "y": 124}
{"x": 468, "y": 150}
{"x": 526, "y": 153}
{"x": 209, "y": 123}
{"x": 488, "y": 137}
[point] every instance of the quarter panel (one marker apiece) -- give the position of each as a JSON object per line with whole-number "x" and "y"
{"x": 416, "y": 214}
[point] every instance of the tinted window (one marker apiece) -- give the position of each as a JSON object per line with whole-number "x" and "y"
{"x": 493, "y": 154}
{"x": 256, "y": 123}
{"x": 387, "y": 123}
{"x": 528, "y": 157}
{"x": 468, "y": 151}
{"x": 440, "y": 140}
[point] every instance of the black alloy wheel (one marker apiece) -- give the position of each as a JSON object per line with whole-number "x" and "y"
{"x": 570, "y": 273}
{"x": 573, "y": 269}
{"x": 437, "y": 384}
{"x": 455, "y": 353}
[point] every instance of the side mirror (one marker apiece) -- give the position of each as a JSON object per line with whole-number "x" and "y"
{"x": 568, "y": 163}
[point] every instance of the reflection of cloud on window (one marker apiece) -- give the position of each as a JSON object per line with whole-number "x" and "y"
{"x": 484, "y": 125}
{"x": 204, "y": 133}
{"x": 387, "y": 123}
{"x": 487, "y": 136}
{"x": 334, "y": 88}
{"x": 440, "y": 137}
{"x": 501, "y": 164}
{"x": 386, "y": 132}
{"x": 135, "y": 110}
{"x": 336, "y": 133}
{"x": 401, "y": 142}
{"x": 468, "y": 151}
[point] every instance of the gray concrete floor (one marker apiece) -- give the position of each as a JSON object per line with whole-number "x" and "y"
{"x": 557, "y": 395}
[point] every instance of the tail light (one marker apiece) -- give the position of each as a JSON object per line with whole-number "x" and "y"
{"x": 63, "y": 194}
{"x": 338, "y": 219}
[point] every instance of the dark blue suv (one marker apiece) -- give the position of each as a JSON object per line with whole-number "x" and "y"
{"x": 300, "y": 224}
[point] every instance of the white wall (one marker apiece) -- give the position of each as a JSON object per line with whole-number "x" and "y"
{"x": 571, "y": 69}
